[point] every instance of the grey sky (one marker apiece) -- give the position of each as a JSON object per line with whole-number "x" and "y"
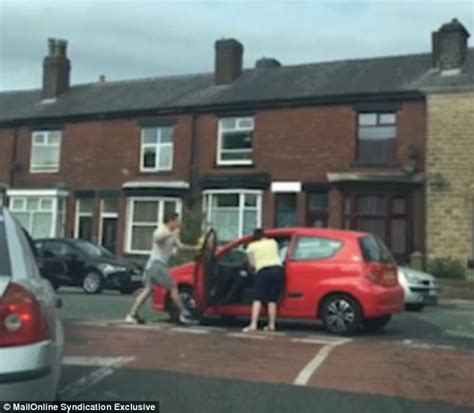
{"x": 139, "y": 38}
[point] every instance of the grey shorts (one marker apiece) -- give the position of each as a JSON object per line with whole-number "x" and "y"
{"x": 158, "y": 274}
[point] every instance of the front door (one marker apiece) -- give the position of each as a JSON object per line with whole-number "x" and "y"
{"x": 109, "y": 233}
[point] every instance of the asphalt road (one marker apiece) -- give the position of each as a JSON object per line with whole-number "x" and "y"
{"x": 423, "y": 362}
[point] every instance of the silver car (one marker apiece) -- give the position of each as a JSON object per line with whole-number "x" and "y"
{"x": 31, "y": 333}
{"x": 420, "y": 288}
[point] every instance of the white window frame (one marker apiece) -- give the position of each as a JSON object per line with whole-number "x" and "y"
{"x": 106, "y": 215}
{"x": 157, "y": 147}
{"x": 222, "y": 130}
{"x": 130, "y": 223}
{"x": 80, "y": 214}
{"x": 241, "y": 193}
{"x": 57, "y": 228}
{"x": 37, "y": 169}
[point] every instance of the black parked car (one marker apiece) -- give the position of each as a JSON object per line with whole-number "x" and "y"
{"x": 90, "y": 266}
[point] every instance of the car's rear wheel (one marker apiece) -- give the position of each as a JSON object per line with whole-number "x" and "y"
{"x": 92, "y": 283}
{"x": 186, "y": 294}
{"x": 341, "y": 314}
{"x": 375, "y": 324}
{"x": 414, "y": 307}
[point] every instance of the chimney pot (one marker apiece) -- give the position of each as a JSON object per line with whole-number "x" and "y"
{"x": 102, "y": 79}
{"x": 228, "y": 61}
{"x": 449, "y": 46}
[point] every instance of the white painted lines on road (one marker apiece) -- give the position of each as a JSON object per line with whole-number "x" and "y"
{"x": 426, "y": 346}
{"x": 189, "y": 330}
{"x": 460, "y": 333}
{"x": 316, "y": 362}
{"x": 108, "y": 365}
{"x": 250, "y": 336}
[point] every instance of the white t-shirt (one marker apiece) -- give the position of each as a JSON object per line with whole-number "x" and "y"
{"x": 162, "y": 251}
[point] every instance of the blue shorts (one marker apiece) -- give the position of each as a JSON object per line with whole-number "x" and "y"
{"x": 269, "y": 284}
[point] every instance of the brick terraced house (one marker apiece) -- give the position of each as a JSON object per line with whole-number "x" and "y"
{"x": 339, "y": 144}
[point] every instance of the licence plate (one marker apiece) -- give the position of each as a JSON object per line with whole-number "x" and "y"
{"x": 136, "y": 277}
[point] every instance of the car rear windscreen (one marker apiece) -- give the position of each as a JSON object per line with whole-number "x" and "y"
{"x": 5, "y": 268}
{"x": 374, "y": 250}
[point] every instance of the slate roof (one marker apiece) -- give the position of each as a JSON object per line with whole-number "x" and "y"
{"x": 344, "y": 78}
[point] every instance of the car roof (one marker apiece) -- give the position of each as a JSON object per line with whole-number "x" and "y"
{"x": 321, "y": 232}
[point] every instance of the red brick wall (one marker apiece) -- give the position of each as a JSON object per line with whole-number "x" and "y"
{"x": 306, "y": 143}
{"x": 6, "y": 151}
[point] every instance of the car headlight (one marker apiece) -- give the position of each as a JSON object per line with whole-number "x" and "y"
{"x": 109, "y": 268}
{"x": 411, "y": 278}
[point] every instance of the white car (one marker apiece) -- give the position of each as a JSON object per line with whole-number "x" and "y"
{"x": 420, "y": 288}
{"x": 31, "y": 333}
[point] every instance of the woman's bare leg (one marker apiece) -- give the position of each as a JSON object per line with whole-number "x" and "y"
{"x": 272, "y": 314}
{"x": 256, "y": 308}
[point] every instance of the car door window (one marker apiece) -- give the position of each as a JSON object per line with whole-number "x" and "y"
{"x": 57, "y": 249}
{"x": 315, "y": 248}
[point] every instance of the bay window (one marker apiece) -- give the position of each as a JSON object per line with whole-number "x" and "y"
{"x": 45, "y": 151}
{"x": 41, "y": 216}
{"x": 235, "y": 141}
{"x": 233, "y": 213}
{"x": 144, "y": 216}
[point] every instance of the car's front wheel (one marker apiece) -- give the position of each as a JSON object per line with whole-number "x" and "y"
{"x": 92, "y": 283}
{"x": 375, "y": 324}
{"x": 186, "y": 294}
{"x": 341, "y": 314}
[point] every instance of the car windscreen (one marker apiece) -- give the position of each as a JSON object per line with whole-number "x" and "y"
{"x": 374, "y": 250}
{"x": 91, "y": 250}
{"x": 5, "y": 265}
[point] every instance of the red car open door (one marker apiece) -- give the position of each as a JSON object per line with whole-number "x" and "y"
{"x": 204, "y": 272}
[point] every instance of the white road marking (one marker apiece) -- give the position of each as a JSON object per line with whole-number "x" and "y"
{"x": 108, "y": 366}
{"x": 426, "y": 346}
{"x": 189, "y": 330}
{"x": 311, "y": 341}
{"x": 250, "y": 336}
{"x": 460, "y": 333}
{"x": 308, "y": 371}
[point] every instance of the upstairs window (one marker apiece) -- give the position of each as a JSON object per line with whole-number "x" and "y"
{"x": 235, "y": 141}
{"x": 157, "y": 149}
{"x": 377, "y": 138}
{"x": 45, "y": 151}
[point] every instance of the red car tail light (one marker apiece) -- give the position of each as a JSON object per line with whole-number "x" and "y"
{"x": 21, "y": 318}
{"x": 384, "y": 276}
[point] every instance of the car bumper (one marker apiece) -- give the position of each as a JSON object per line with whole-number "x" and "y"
{"x": 127, "y": 279}
{"x": 384, "y": 301}
{"x": 27, "y": 373}
{"x": 420, "y": 295}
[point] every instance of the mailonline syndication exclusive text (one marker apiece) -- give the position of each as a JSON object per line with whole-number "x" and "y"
{"x": 69, "y": 407}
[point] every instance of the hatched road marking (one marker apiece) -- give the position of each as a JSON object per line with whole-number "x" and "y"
{"x": 308, "y": 371}
{"x": 107, "y": 366}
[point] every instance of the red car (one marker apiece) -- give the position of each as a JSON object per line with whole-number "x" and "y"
{"x": 346, "y": 279}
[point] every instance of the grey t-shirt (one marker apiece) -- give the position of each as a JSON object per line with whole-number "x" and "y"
{"x": 162, "y": 251}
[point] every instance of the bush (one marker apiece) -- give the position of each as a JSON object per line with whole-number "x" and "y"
{"x": 446, "y": 267}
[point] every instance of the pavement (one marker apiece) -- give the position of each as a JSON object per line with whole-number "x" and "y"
{"x": 422, "y": 362}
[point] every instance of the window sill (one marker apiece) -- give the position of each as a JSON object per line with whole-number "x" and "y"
{"x": 233, "y": 165}
{"x": 156, "y": 172}
{"x": 44, "y": 172}
{"x": 366, "y": 164}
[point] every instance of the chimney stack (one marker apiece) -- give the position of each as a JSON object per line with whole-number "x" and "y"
{"x": 449, "y": 46}
{"x": 56, "y": 69}
{"x": 228, "y": 61}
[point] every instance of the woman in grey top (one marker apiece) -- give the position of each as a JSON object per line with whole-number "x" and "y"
{"x": 165, "y": 240}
